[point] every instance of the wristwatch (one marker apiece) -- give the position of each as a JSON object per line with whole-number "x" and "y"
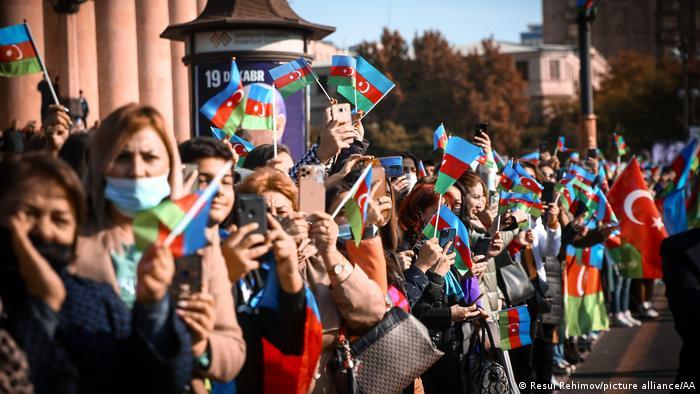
{"x": 339, "y": 268}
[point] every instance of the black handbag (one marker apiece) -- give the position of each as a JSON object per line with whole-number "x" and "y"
{"x": 387, "y": 359}
{"x": 480, "y": 373}
{"x": 542, "y": 301}
{"x": 515, "y": 284}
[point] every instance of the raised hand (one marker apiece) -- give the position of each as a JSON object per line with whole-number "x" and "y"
{"x": 154, "y": 274}
{"x": 199, "y": 315}
{"x": 242, "y": 250}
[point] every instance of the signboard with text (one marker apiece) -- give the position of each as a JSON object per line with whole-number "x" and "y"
{"x": 211, "y": 78}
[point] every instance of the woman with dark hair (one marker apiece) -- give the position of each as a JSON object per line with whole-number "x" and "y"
{"x": 77, "y": 333}
{"x": 264, "y": 155}
{"x": 442, "y": 313}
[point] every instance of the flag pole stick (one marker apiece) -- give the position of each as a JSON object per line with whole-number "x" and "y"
{"x": 352, "y": 190}
{"x": 316, "y": 79}
{"x": 274, "y": 122}
{"x": 375, "y": 104}
{"x": 207, "y": 193}
{"x": 556, "y": 150}
{"x": 437, "y": 216}
{"x": 41, "y": 63}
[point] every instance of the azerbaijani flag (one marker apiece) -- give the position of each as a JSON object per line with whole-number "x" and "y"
{"x": 514, "y": 327}
{"x": 241, "y": 146}
{"x": 681, "y": 165}
{"x": 356, "y": 207}
{"x": 371, "y": 85}
{"x": 584, "y": 303}
{"x": 620, "y": 144}
{"x": 583, "y": 174}
{"x": 525, "y": 202}
{"x": 292, "y": 77}
{"x": 533, "y": 158}
{"x": 447, "y": 219}
{"x": 17, "y": 54}
{"x": 258, "y": 108}
{"x": 289, "y": 373}
{"x": 343, "y": 71}
{"x": 514, "y": 177}
{"x": 156, "y": 223}
{"x": 422, "y": 173}
{"x": 591, "y": 257}
{"x": 225, "y": 110}
{"x": 439, "y": 138}
{"x": 458, "y": 156}
{"x": 561, "y": 147}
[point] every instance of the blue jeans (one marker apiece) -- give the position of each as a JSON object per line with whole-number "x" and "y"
{"x": 621, "y": 295}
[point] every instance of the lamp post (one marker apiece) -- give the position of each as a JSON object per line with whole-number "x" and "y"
{"x": 587, "y": 127}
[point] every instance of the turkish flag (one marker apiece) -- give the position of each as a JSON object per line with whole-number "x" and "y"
{"x": 640, "y": 221}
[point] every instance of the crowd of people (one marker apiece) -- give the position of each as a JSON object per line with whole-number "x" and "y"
{"x": 85, "y": 310}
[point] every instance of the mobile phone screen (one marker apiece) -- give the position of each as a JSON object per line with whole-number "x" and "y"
{"x": 447, "y": 235}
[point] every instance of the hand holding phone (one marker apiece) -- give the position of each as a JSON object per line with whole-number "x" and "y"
{"x": 312, "y": 189}
{"x": 447, "y": 235}
{"x": 251, "y": 208}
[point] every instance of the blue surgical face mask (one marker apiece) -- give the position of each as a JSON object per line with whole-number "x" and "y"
{"x": 131, "y": 195}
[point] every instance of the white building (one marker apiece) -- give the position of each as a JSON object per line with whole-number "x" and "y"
{"x": 550, "y": 70}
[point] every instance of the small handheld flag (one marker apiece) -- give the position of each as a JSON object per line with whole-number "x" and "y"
{"x": 241, "y": 146}
{"x": 533, "y": 158}
{"x": 371, "y": 85}
{"x": 561, "y": 145}
{"x": 258, "y": 108}
{"x": 458, "y": 156}
{"x": 422, "y": 173}
{"x": 356, "y": 206}
{"x": 620, "y": 144}
{"x": 514, "y": 327}
{"x": 439, "y": 138}
{"x": 291, "y": 77}
{"x": 343, "y": 70}
{"x": 225, "y": 110}
{"x": 17, "y": 54}
{"x": 445, "y": 219}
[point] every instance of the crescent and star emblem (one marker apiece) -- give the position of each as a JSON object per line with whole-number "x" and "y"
{"x": 259, "y": 110}
{"x": 361, "y": 89}
{"x": 362, "y": 200}
{"x": 348, "y": 71}
{"x": 295, "y": 75}
{"x": 9, "y": 53}
{"x": 629, "y": 202}
{"x": 236, "y": 97}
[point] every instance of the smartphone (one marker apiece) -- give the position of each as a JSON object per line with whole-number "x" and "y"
{"x": 447, "y": 235}
{"x": 393, "y": 165}
{"x": 188, "y": 170}
{"x": 379, "y": 175}
{"x": 547, "y": 192}
{"x": 188, "y": 277}
{"x": 341, "y": 112}
{"x": 481, "y": 128}
{"x": 544, "y": 146}
{"x": 250, "y": 208}
{"x": 592, "y": 153}
{"x": 312, "y": 188}
{"x": 482, "y": 246}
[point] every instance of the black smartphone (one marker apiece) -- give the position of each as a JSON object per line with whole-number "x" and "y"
{"x": 250, "y": 208}
{"x": 547, "y": 192}
{"x": 188, "y": 277}
{"x": 481, "y": 128}
{"x": 592, "y": 153}
{"x": 447, "y": 235}
{"x": 482, "y": 246}
{"x": 544, "y": 146}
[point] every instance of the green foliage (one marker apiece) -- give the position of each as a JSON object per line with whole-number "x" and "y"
{"x": 438, "y": 84}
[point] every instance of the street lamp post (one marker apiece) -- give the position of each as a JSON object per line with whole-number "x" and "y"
{"x": 587, "y": 130}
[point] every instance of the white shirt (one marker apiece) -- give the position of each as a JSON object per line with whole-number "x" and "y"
{"x": 547, "y": 243}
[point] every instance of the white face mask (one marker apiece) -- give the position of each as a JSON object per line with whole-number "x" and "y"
{"x": 412, "y": 180}
{"x": 131, "y": 195}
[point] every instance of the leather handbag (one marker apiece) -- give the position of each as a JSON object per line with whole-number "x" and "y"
{"x": 387, "y": 359}
{"x": 480, "y": 373}
{"x": 515, "y": 284}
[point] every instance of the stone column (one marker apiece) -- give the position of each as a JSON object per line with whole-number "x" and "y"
{"x": 117, "y": 65}
{"x": 155, "y": 77}
{"x": 87, "y": 56}
{"x": 69, "y": 60}
{"x": 181, "y": 11}
{"x": 20, "y": 98}
{"x": 53, "y": 42}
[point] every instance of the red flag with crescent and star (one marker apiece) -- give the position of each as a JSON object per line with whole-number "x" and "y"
{"x": 641, "y": 226}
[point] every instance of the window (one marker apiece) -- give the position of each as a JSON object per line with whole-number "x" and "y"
{"x": 554, "y": 69}
{"x": 522, "y": 68}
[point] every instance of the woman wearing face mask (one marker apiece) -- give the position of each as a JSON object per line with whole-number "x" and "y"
{"x": 134, "y": 164}
{"x": 342, "y": 289}
{"x": 77, "y": 334}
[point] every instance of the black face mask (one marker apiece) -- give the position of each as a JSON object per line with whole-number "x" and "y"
{"x": 58, "y": 255}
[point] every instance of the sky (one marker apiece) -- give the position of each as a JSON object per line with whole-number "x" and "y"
{"x": 461, "y": 21}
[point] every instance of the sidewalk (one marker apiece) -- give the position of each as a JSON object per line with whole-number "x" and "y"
{"x": 634, "y": 355}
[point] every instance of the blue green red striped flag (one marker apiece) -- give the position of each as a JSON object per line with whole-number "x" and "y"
{"x": 458, "y": 156}
{"x": 17, "y": 54}
{"x": 514, "y": 327}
